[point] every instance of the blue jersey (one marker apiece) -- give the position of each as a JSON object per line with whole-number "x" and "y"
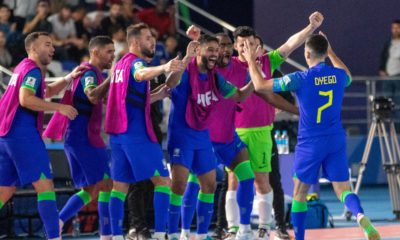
{"x": 319, "y": 92}
{"x": 135, "y": 108}
{"x": 180, "y": 134}
{"x": 24, "y": 123}
{"x": 77, "y": 128}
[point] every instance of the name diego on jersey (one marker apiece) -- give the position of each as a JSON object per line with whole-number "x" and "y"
{"x": 325, "y": 80}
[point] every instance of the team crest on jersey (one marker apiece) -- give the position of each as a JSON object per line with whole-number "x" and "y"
{"x": 89, "y": 81}
{"x": 176, "y": 152}
{"x": 138, "y": 65}
{"x": 30, "y": 81}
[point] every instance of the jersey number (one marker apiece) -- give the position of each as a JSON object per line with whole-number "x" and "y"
{"x": 326, "y": 105}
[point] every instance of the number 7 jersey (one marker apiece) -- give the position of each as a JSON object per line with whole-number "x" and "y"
{"x": 319, "y": 92}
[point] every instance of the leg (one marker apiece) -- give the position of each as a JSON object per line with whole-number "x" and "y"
{"x": 162, "y": 191}
{"x": 179, "y": 178}
{"x": 5, "y": 194}
{"x": 47, "y": 207}
{"x": 219, "y": 232}
{"x": 299, "y": 208}
{"x": 104, "y": 191}
{"x": 352, "y": 202}
{"x": 189, "y": 205}
{"x": 279, "y": 200}
{"x": 116, "y": 207}
{"x": 265, "y": 198}
{"x": 231, "y": 206}
{"x": 205, "y": 203}
{"x": 244, "y": 173}
{"x": 136, "y": 209}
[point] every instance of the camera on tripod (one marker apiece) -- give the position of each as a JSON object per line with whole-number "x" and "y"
{"x": 382, "y": 107}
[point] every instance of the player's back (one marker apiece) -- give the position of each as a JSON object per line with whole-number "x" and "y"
{"x": 320, "y": 99}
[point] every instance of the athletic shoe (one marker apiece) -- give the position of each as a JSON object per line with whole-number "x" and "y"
{"x": 246, "y": 235}
{"x": 263, "y": 234}
{"x": 281, "y": 233}
{"x": 369, "y": 230}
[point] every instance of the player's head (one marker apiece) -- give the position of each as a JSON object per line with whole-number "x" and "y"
{"x": 396, "y": 28}
{"x": 39, "y": 47}
{"x": 240, "y": 35}
{"x": 315, "y": 48}
{"x": 140, "y": 40}
{"x": 102, "y": 49}
{"x": 208, "y": 53}
{"x": 225, "y": 49}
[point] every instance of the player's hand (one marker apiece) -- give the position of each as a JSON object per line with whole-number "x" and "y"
{"x": 250, "y": 52}
{"x": 174, "y": 65}
{"x": 329, "y": 44}
{"x": 68, "y": 111}
{"x": 316, "y": 19}
{"x": 193, "y": 32}
{"x": 163, "y": 92}
{"x": 192, "y": 48}
{"x": 76, "y": 72}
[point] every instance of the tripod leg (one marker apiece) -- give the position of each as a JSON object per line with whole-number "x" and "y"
{"x": 396, "y": 148}
{"x": 365, "y": 156}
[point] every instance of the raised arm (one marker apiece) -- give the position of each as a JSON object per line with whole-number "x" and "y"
{"x": 299, "y": 38}
{"x": 191, "y": 51}
{"x": 336, "y": 62}
{"x": 149, "y": 73}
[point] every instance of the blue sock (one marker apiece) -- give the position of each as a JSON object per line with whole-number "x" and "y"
{"x": 161, "y": 203}
{"x": 104, "y": 213}
{"x": 48, "y": 212}
{"x": 174, "y": 213}
{"x": 116, "y": 206}
{"x": 352, "y": 202}
{"x": 74, "y": 204}
{"x": 299, "y": 213}
{"x": 245, "y": 197}
{"x": 245, "y": 191}
{"x": 189, "y": 203}
{"x": 205, "y": 207}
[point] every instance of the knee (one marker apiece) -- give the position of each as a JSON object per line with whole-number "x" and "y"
{"x": 162, "y": 181}
{"x": 208, "y": 187}
{"x": 178, "y": 186}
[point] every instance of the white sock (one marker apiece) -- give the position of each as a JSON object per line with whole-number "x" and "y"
{"x": 185, "y": 232}
{"x": 265, "y": 209}
{"x": 232, "y": 209}
{"x": 159, "y": 235}
{"x": 105, "y": 237}
{"x": 244, "y": 228}
{"x": 119, "y": 237}
{"x": 58, "y": 238}
{"x": 201, "y": 236}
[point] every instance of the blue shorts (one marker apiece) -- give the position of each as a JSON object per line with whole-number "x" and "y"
{"x": 328, "y": 152}
{"x": 198, "y": 161}
{"x": 227, "y": 152}
{"x": 23, "y": 161}
{"x": 89, "y": 165}
{"x": 135, "y": 162}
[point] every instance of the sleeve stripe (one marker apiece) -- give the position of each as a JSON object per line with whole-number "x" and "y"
{"x": 29, "y": 87}
{"x": 233, "y": 91}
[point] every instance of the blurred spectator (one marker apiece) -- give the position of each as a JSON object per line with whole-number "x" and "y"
{"x": 6, "y": 24}
{"x": 81, "y": 24}
{"x": 38, "y": 22}
{"x": 160, "y": 55}
{"x": 68, "y": 46}
{"x": 171, "y": 44}
{"x": 22, "y": 8}
{"x": 118, "y": 35}
{"x": 390, "y": 57}
{"x": 390, "y": 66}
{"x": 5, "y": 56}
{"x": 129, "y": 11}
{"x": 115, "y": 18}
{"x": 159, "y": 18}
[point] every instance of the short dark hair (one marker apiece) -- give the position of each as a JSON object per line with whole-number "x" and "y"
{"x": 318, "y": 44}
{"x": 206, "y": 38}
{"x": 396, "y": 21}
{"x": 221, "y": 34}
{"x": 2, "y": 5}
{"x": 243, "y": 31}
{"x": 100, "y": 41}
{"x": 135, "y": 30}
{"x": 32, "y": 37}
{"x": 259, "y": 39}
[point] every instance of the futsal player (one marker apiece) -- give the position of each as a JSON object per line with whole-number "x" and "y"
{"x": 321, "y": 139}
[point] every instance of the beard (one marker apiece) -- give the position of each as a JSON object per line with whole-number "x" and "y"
{"x": 148, "y": 53}
{"x": 206, "y": 63}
